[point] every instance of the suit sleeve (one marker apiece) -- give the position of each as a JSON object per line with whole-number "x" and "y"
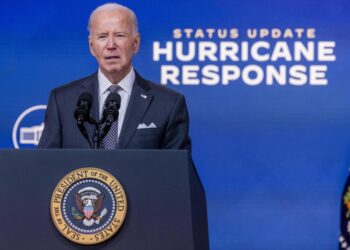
{"x": 51, "y": 136}
{"x": 177, "y": 135}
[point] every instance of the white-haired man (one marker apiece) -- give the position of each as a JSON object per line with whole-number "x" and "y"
{"x": 150, "y": 116}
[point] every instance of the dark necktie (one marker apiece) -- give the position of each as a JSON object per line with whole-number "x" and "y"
{"x": 111, "y": 139}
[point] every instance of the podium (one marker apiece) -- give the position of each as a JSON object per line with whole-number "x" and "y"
{"x": 166, "y": 201}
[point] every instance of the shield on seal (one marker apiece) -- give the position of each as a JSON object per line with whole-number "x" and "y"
{"x": 88, "y": 212}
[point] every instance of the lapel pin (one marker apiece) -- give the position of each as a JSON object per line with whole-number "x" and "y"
{"x": 143, "y": 96}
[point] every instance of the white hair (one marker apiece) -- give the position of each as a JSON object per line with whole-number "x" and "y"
{"x": 115, "y": 6}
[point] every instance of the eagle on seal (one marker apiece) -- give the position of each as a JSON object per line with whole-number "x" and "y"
{"x": 89, "y": 202}
{"x": 89, "y": 207}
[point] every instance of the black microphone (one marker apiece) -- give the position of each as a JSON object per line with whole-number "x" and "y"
{"x": 82, "y": 112}
{"x": 111, "y": 109}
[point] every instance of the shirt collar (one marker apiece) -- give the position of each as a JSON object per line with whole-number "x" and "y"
{"x": 126, "y": 83}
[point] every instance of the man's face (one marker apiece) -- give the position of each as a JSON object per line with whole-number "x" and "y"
{"x": 113, "y": 43}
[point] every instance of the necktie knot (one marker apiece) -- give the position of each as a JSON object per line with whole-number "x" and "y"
{"x": 114, "y": 88}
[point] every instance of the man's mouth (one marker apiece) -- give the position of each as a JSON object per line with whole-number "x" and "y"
{"x": 111, "y": 57}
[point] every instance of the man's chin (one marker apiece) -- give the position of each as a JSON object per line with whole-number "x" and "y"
{"x": 111, "y": 70}
{"x": 114, "y": 72}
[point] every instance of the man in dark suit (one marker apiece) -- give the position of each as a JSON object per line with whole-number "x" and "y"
{"x": 151, "y": 116}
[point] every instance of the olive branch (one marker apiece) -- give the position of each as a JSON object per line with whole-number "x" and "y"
{"x": 76, "y": 214}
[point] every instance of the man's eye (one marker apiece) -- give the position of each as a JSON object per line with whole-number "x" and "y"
{"x": 101, "y": 37}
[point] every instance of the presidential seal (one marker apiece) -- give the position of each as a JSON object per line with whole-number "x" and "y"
{"x": 88, "y": 206}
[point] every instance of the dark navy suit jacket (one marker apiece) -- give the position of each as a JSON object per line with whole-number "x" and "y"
{"x": 162, "y": 106}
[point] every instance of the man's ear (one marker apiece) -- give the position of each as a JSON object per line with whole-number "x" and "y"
{"x": 91, "y": 45}
{"x": 137, "y": 43}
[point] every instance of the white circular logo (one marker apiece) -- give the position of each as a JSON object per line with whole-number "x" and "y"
{"x": 29, "y": 127}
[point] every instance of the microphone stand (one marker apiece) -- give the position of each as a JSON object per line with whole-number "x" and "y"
{"x": 98, "y": 134}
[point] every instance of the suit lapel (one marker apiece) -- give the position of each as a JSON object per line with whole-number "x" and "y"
{"x": 139, "y": 102}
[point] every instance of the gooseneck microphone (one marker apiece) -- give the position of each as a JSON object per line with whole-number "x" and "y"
{"x": 82, "y": 113}
{"x": 110, "y": 114}
{"x": 111, "y": 108}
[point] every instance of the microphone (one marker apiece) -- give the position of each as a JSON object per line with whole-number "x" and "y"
{"x": 111, "y": 109}
{"x": 82, "y": 112}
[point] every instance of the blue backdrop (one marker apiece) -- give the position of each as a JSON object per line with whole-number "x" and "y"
{"x": 273, "y": 158}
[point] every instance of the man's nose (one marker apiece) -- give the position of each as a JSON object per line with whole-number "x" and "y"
{"x": 111, "y": 44}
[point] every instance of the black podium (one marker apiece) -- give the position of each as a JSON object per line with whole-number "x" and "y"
{"x": 166, "y": 201}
